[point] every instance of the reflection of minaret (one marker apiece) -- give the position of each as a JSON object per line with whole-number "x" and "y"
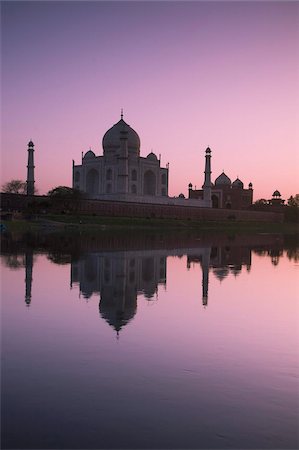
{"x": 28, "y": 276}
{"x": 30, "y": 169}
{"x": 206, "y": 252}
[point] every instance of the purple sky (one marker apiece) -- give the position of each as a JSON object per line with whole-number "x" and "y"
{"x": 188, "y": 75}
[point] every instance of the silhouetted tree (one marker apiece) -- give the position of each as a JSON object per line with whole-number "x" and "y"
{"x": 65, "y": 192}
{"x": 261, "y": 202}
{"x": 292, "y": 209}
{"x": 294, "y": 201}
{"x": 15, "y": 187}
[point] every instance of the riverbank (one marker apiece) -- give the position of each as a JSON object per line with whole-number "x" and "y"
{"x": 74, "y": 223}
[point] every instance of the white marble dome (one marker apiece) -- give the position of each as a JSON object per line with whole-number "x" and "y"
{"x": 152, "y": 156}
{"x": 111, "y": 139}
{"x": 89, "y": 155}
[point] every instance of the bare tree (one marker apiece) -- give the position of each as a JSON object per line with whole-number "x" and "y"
{"x": 15, "y": 187}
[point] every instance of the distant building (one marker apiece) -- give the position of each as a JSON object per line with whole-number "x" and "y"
{"x": 226, "y": 194}
{"x": 276, "y": 199}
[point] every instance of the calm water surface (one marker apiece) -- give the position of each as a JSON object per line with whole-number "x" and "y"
{"x": 191, "y": 344}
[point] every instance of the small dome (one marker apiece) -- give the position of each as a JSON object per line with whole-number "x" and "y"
{"x": 190, "y": 185}
{"x": 276, "y": 194}
{"x": 238, "y": 184}
{"x": 223, "y": 180}
{"x": 88, "y": 155}
{"x": 208, "y": 150}
{"x": 111, "y": 139}
{"x": 30, "y": 143}
{"x": 250, "y": 185}
{"x": 152, "y": 156}
{"x": 221, "y": 272}
{"x": 182, "y": 196}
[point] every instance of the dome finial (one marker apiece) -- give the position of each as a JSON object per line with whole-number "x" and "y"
{"x": 121, "y": 113}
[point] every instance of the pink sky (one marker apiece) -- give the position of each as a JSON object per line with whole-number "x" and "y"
{"x": 188, "y": 75}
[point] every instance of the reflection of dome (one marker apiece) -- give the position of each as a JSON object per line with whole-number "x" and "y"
{"x": 116, "y": 313}
{"x": 236, "y": 269}
{"x": 111, "y": 139}
{"x": 221, "y": 272}
{"x": 238, "y": 184}
{"x": 152, "y": 156}
{"x": 89, "y": 155}
{"x": 276, "y": 194}
{"x": 223, "y": 179}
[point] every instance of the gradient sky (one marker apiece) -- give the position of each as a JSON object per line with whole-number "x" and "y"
{"x": 188, "y": 75}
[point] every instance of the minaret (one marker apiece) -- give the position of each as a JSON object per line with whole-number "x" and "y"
{"x": 207, "y": 183}
{"x": 123, "y": 165}
{"x": 30, "y": 169}
{"x": 205, "y": 274}
{"x": 28, "y": 276}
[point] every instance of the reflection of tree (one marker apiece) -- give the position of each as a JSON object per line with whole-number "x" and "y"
{"x": 14, "y": 261}
{"x": 275, "y": 254}
{"x": 293, "y": 254}
{"x": 59, "y": 258}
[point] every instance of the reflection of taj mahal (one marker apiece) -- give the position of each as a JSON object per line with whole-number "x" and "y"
{"x": 119, "y": 277}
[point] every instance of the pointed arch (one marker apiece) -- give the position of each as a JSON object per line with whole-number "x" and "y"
{"x": 149, "y": 183}
{"x": 92, "y": 181}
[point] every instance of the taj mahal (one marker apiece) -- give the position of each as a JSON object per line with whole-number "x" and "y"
{"x": 122, "y": 174}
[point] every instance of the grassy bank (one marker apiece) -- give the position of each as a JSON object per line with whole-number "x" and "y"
{"x": 73, "y": 223}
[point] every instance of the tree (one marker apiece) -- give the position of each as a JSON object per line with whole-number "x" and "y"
{"x": 65, "y": 192}
{"x": 261, "y": 202}
{"x": 292, "y": 209}
{"x": 15, "y": 187}
{"x": 294, "y": 201}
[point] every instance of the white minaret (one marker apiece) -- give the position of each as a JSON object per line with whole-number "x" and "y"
{"x": 207, "y": 186}
{"x": 30, "y": 169}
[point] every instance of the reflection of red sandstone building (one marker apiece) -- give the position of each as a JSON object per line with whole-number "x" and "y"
{"x": 226, "y": 194}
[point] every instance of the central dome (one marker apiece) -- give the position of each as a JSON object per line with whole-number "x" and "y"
{"x": 111, "y": 139}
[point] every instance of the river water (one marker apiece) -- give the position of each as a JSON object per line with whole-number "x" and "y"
{"x": 159, "y": 343}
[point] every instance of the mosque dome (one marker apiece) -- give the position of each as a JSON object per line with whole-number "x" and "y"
{"x": 30, "y": 143}
{"x": 276, "y": 194}
{"x": 89, "y": 155}
{"x": 238, "y": 184}
{"x": 223, "y": 180}
{"x": 152, "y": 156}
{"x": 111, "y": 139}
{"x": 221, "y": 272}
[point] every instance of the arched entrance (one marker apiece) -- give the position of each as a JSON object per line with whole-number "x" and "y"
{"x": 149, "y": 183}
{"x": 92, "y": 182}
{"x": 215, "y": 201}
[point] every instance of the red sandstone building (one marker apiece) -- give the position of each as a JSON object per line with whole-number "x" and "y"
{"x": 226, "y": 194}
